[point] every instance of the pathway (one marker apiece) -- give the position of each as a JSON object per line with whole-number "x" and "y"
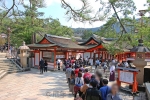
{"x": 49, "y": 86}
{"x": 33, "y": 86}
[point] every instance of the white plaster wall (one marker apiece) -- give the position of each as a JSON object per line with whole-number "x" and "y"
{"x": 36, "y": 58}
{"x": 86, "y": 54}
{"x": 96, "y": 55}
{"x": 92, "y": 54}
{"x": 40, "y": 55}
{"x": 33, "y": 62}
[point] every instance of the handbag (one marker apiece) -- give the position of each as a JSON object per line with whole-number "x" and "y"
{"x": 78, "y": 98}
{"x": 72, "y": 81}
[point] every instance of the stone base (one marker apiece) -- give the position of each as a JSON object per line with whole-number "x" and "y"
{"x": 140, "y": 88}
{"x": 147, "y": 85}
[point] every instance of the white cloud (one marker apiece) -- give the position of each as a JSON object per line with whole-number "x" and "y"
{"x": 76, "y": 4}
{"x": 50, "y": 2}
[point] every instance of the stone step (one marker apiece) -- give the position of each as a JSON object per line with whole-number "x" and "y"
{"x": 3, "y": 74}
{"x": 13, "y": 71}
{"x": 8, "y": 69}
{"x": 1, "y": 71}
{"x": 6, "y": 66}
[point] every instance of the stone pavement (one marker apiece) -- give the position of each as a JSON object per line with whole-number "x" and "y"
{"x": 34, "y": 86}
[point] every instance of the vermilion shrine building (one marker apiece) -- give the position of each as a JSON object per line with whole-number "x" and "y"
{"x": 53, "y": 47}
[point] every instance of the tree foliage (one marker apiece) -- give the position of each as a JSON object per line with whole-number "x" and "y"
{"x": 25, "y": 24}
{"x": 87, "y": 34}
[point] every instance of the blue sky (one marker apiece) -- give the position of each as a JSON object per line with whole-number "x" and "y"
{"x": 53, "y": 9}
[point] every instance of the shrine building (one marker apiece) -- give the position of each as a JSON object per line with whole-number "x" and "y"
{"x": 53, "y": 47}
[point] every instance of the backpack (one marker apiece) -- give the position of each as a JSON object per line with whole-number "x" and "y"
{"x": 88, "y": 76}
{"x": 92, "y": 94}
{"x": 79, "y": 84}
{"x": 72, "y": 81}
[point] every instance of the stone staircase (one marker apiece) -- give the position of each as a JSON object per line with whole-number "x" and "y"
{"x": 7, "y": 66}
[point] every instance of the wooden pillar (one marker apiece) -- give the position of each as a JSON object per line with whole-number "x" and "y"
{"x": 55, "y": 58}
{"x": 66, "y": 55}
{"x": 90, "y": 54}
{"x": 120, "y": 57}
{"x": 104, "y": 55}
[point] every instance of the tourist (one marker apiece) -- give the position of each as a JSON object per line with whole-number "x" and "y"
{"x": 84, "y": 87}
{"x": 87, "y": 74}
{"x": 76, "y": 64}
{"x": 105, "y": 90}
{"x": 105, "y": 66}
{"x": 76, "y": 71}
{"x": 126, "y": 64}
{"x": 58, "y": 63}
{"x": 72, "y": 81}
{"x": 81, "y": 67}
{"x": 78, "y": 83}
{"x": 81, "y": 71}
{"x": 93, "y": 93}
{"x": 84, "y": 62}
{"x": 41, "y": 64}
{"x": 65, "y": 64}
{"x": 69, "y": 61}
{"x": 68, "y": 74}
{"x": 114, "y": 93}
{"x": 112, "y": 72}
{"x": 92, "y": 77}
{"x": 97, "y": 63}
{"x": 45, "y": 66}
{"x": 98, "y": 77}
{"x": 87, "y": 59}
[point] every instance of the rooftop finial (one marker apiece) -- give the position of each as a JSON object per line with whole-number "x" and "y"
{"x": 24, "y": 43}
{"x": 140, "y": 42}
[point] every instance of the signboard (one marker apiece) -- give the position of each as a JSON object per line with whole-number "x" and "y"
{"x": 60, "y": 56}
{"x": 126, "y": 77}
{"x": 47, "y": 54}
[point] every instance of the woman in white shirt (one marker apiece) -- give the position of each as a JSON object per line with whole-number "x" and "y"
{"x": 112, "y": 72}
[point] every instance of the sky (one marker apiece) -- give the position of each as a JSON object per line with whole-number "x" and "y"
{"x": 53, "y": 9}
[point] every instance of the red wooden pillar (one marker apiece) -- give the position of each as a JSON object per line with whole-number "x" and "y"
{"x": 67, "y": 55}
{"x": 55, "y": 58}
{"x": 135, "y": 84}
{"x": 106, "y": 55}
{"x": 118, "y": 81}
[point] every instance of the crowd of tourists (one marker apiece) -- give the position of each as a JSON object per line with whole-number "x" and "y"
{"x": 87, "y": 85}
{"x": 90, "y": 86}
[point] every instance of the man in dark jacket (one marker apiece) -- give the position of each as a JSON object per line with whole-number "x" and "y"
{"x": 92, "y": 92}
{"x": 41, "y": 64}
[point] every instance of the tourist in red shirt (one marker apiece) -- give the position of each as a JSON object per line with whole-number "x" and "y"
{"x": 87, "y": 74}
{"x": 76, "y": 71}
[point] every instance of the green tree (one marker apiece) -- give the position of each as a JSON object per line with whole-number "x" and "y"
{"x": 87, "y": 34}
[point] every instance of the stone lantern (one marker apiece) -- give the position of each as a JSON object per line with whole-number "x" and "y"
{"x": 139, "y": 61}
{"x": 23, "y": 55}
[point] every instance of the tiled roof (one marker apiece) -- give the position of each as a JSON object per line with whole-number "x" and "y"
{"x": 41, "y": 45}
{"x": 63, "y": 42}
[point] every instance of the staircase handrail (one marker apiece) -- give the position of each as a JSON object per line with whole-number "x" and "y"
{"x": 20, "y": 67}
{"x": 15, "y": 61}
